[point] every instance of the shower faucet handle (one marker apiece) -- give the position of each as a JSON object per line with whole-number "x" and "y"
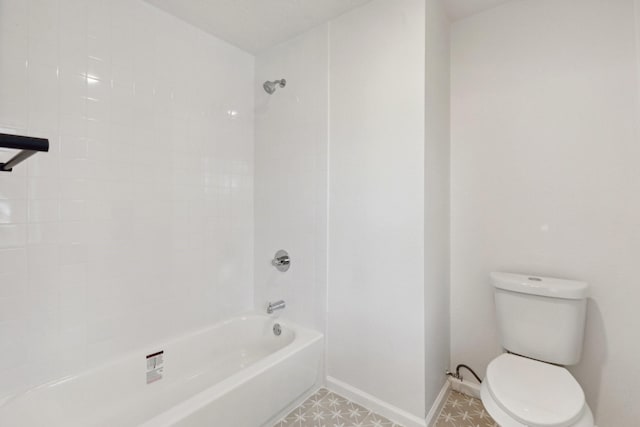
{"x": 281, "y": 261}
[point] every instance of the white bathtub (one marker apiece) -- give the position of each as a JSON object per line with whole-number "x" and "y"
{"x": 234, "y": 374}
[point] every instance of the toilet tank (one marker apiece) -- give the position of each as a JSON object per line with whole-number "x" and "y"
{"x": 541, "y": 317}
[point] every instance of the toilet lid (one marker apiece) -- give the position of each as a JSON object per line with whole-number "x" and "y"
{"x": 535, "y": 393}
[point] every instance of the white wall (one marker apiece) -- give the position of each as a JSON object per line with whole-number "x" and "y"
{"x": 376, "y": 197}
{"x": 436, "y": 199}
{"x": 137, "y": 225}
{"x": 545, "y": 177}
{"x": 370, "y": 160}
{"x": 291, "y": 177}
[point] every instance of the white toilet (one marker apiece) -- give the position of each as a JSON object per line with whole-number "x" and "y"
{"x": 541, "y": 322}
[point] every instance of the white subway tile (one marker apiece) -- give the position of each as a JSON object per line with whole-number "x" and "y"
{"x": 13, "y": 211}
{"x": 103, "y": 226}
{"x": 42, "y": 210}
{"x": 13, "y": 235}
{"x": 12, "y": 186}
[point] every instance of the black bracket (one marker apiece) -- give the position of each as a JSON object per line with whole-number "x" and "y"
{"x": 27, "y": 145}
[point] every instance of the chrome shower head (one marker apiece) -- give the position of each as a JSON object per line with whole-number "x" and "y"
{"x": 271, "y": 87}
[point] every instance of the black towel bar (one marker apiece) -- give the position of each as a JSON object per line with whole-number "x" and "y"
{"x": 27, "y": 145}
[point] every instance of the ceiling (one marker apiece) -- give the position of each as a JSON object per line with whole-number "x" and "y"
{"x": 459, "y": 9}
{"x": 254, "y": 25}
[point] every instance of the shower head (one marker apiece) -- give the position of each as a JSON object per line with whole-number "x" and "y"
{"x": 271, "y": 87}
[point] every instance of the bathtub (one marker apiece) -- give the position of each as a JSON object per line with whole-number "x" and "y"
{"x": 236, "y": 373}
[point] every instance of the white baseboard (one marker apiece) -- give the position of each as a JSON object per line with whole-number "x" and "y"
{"x": 465, "y": 387}
{"x": 391, "y": 412}
{"x": 437, "y": 406}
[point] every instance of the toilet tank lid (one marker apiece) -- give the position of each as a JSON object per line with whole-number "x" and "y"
{"x": 538, "y": 285}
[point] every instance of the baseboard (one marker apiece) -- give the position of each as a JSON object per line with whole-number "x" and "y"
{"x": 465, "y": 387}
{"x": 437, "y": 406}
{"x": 391, "y": 412}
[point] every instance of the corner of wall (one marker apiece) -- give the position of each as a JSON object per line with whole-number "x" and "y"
{"x": 437, "y": 187}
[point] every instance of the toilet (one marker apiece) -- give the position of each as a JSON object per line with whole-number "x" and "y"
{"x": 541, "y": 323}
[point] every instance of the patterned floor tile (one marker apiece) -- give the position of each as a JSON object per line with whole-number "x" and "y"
{"x": 461, "y": 410}
{"x": 328, "y": 409}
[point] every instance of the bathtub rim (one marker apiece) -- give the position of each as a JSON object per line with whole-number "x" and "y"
{"x": 299, "y": 332}
{"x": 303, "y": 339}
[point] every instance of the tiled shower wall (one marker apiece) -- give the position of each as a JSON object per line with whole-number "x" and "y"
{"x": 291, "y": 176}
{"x": 137, "y": 225}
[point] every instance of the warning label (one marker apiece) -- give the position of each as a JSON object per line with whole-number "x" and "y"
{"x": 155, "y": 367}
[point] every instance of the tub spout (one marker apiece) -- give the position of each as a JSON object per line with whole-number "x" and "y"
{"x": 273, "y": 306}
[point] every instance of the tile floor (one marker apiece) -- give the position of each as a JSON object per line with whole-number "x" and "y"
{"x": 328, "y": 409}
{"x": 461, "y": 410}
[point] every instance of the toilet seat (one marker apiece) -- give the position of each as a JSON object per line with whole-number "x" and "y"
{"x": 533, "y": 393}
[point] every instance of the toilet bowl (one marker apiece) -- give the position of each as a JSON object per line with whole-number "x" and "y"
{"x": 522, "y": 392}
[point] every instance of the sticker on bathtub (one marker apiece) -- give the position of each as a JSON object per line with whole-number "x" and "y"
{"x": 155, "y": 367}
